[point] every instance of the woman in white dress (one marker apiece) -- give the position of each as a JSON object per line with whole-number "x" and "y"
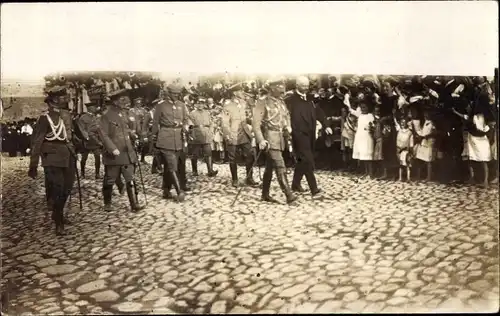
{"x": 478, "y": 144}
{"x": 363, "y": 139}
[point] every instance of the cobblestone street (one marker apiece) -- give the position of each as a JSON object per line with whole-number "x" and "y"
{"x": 369, "y": 246}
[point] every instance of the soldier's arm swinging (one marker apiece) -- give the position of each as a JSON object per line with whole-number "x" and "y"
{"x": 225, "y": 123}
{"x": 145, "y": 127}
{"x": 156, "y": 122}
{"x": 108, "y": 144}
{"x": 258, "y": 115}
{"x": 37, "y": 139}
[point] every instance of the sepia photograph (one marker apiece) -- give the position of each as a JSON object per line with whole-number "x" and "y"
{"x": 252, "y": 157}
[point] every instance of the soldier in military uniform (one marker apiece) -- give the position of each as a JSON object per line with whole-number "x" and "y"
{"x": 139, "y": 113}
{"x": 146, "y": 129}
{"x": 52, "y": 142}
{"x": 119, "y": 156}
{"x": 272, "y": 128}
{"x": 237, "y": 135}
{"x": 169, "y": 130}
{"x": 90, "y": 125}
{"x": 202, "y": 137}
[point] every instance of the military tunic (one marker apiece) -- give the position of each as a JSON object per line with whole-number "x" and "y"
{"x": 51, "y": 141}
{"x": 202, "y": 133}
{"x": 146, "y": 130}
{"x": 90, "y": 124}
{"x": 271, "y": 120}
{"x": 115, "y": 134}
{"x": 235, "y": 130}
{"x": 138, "y": 116}
{"x": 169, "y": 124}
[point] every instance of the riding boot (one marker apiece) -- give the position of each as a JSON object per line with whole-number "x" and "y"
{"x": 154, "y": 165}
{"x": 97, "y": 164}
{"x": 210, "y": 167}
{"x": 194, "y": 166}
{"x": 107, "y": 193}
{"x": 234, "y": 174}
{"x": 132, "y": 197}
{"x": 176, "y": 183}
{"x": 166, "y": 186}
{"x": 283, "y": 182}
{"x": 182, "y": 176}
{"x": 120, "y": 185}
{"x": 249, "y": 179}
{"x": 58, "y": 217}
{"x": 266, "y": 186}
{"x": 82, "y": 168}
{"x": 50, "y": 205}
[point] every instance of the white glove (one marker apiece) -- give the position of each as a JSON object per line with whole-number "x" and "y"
{"x": 116, "y": 152}
{"x": 466, "y": 117}
{"x": 263, "y": 145}
{"x": 328, "y": 131}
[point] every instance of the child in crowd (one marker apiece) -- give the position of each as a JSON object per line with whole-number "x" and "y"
{"x": 380, "y": 135}
{"x": 348, "y": 125}
{"x": 404, "y": 143}
{"x": 425, "y": 148}
{"x": 218, "y": 143}
{"x": 363, "y": 139}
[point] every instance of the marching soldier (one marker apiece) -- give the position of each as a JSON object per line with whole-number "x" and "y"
{"x": 119, "y": 156}
{"x": 169, "y": 130}
{"x": 52, "y": 142}
{"x": 271, "y": 124}
{"x": 90, "y": 124}
{"x": 146, "y": 129}
{"x": 202, "y": 134}
{"x": 237, "y": 135}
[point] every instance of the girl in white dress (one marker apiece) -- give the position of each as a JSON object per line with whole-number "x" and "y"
{"x": 404, "y": 143}
{"x": 363, "y": 139}
{"x": 478, "y": 145}
{"x": 425, "y": 149}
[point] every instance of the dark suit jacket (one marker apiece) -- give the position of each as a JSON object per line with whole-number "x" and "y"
{"x": 303, "y": 116}
{"x": 53, "y": 153}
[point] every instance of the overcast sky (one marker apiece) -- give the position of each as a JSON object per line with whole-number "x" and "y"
{"x": 277, "y": 37}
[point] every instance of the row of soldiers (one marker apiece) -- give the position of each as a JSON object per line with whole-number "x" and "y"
{"x": 167, "y": 128}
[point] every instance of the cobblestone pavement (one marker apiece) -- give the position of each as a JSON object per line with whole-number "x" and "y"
{"x": 373, "y": 246}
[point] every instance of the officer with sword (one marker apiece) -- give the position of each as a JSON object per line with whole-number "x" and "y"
{"x": 272, "y": 128}
{"x": 170, "y": 126}
{"x": 51, "y": 141}
{"x": 119, "y": 156}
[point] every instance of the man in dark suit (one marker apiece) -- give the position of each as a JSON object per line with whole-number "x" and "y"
{"x": 304, "y": 114}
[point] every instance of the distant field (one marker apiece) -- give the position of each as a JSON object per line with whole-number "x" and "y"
{"x": 22, "y": 107}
